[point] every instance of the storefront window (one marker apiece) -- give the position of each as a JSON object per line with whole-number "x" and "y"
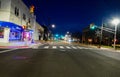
{"x": 27, "y": 35}
{"x": 15, "y": 35}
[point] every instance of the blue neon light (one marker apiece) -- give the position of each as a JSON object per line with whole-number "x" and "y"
{"x": 11, "y": 25}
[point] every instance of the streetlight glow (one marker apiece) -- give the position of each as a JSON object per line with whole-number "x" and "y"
{"x": 53, "y": 26}
{"x": 68, "y": 32}
{"x": 116, "y": 21}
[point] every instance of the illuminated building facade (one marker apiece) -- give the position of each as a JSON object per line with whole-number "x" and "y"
{"x": 20, "y": 23}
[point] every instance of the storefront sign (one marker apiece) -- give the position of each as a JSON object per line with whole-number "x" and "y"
{"x": 1, "y": 32}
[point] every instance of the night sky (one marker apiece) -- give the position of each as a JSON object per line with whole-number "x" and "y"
{"x": 74, "y": 15}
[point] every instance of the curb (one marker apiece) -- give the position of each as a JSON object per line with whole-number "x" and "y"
{"x": 35, "y": 46}
{"x": 22, "y": 46}
{"x": 112, "y": 50}
{"x": 7, "y": 50}
{"x": 102, "y": 48}
{"x": 11, "y": 47}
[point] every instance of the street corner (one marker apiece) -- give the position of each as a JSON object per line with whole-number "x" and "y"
{"x": 2, "y": 49}
{"x": 108, "y": 49}
{"x": 7, "y": 50}
{"x": 13, "y": 47}
{"x": 36, "y": 45}
{"x": 91, "y": 46}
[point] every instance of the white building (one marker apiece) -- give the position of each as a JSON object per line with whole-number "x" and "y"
{"x": 38, "y": 31}
{"x": 14, "y": 18}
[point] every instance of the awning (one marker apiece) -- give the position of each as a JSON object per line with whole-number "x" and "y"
{"x": 10, "y": 25}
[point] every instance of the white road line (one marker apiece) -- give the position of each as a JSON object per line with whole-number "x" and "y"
{"x": 61, "y": 47}
{"x": 46, "y": 47}
{"x": 68, "y": 47}
{"x": 79, "y": 47}
{"x": 7, "y": 50}
{"x": 85, "y": 48}
{"x": 54, "y": 47}
{"x": 74, "y": 47}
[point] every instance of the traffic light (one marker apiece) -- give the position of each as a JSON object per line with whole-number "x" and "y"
{"x": 56, "y": 35}
{"x": 92, "y": 26}
{"x": 61, "y": 36}
{"x": 32, "y": 8}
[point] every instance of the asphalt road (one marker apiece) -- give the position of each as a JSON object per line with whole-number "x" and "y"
{"x": 3, "y": 49}
{"x": 58, "y": 61}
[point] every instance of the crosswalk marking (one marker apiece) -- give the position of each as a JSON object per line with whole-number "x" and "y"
{"x": 61, "y": 47}
{"x": 54, "y": 47}
{"x": 74, "y": 47}
{"x": 46, "y": 47}
{"x": 68, "y": 47}
{"x": 80, "y": 47}
{"x": 65, "y": 47}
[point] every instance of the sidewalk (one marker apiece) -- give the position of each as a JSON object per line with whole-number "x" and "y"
{"x": 102, "y": 47}
{"x": 109, "y": 52}
{"x": 19, "y": 44}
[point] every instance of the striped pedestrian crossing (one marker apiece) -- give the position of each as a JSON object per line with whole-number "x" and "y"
{"x": 68, "y": 47}
{"x": 46, "y": 47}
{"x": 63, "y": 47}
{"x": 74, "y": 47}
{"x": 54, "y": 47}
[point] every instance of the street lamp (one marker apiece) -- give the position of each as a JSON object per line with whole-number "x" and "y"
{"x": 68, "y": 32}
{"x": 115, "y": 22}
{"x": 53, "y": 26}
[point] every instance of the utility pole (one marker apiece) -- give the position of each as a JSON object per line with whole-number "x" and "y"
{"x": 115, "y": 36}
{"x": 101, "y": 34}
{"x": 115, "y": 22}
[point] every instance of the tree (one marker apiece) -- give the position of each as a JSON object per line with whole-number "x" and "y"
{"x": 46, "y": 32}
{"x": 77, "y": 35}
